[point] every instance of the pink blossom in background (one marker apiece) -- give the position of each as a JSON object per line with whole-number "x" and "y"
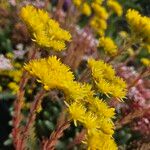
{"x": 5, "y": 63}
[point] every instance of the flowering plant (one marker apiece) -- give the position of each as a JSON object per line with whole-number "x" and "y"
{"x": 76, "y": 67}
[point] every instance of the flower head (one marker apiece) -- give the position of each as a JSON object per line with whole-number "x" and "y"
{"x": 100, "y": 11}
{"x": 115, "y": 6}
{"x": 108, "y": 45}
{"x": 99, "y": 141}
{"x": 77, "y": 2}
{"x": 140, "y": 25}
{"x": 106, "y": 80}
{"x": 55, "y": 75}
{"x": 14, "y": 87}
{"x": 146, "y": 61}
{"x": 101, "y": 109}
{"x": 51, "y": 72}
{"x": 45, "y": 32}
{"x": 90, "y": 121}
{"x": 99, "y": 25}
{"x": 86, "y": 9}
{"x": 76, "y": 112}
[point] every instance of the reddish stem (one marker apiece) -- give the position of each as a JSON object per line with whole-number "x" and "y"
{"x": 32, "y": 116}
{"x": 17, "y": 117}
{"x": 52, "y": 141}
{"x": 16, "y": 132}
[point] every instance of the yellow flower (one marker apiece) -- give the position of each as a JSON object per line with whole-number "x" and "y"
{"x": 45, "y": 32}
{"x": 115, "y": 6}
{"x": 76, "y": 112}
{"x": 140, "y": 25}
{"x": 104, "y": 87}
{"x": 106, "y": 80}
{"x": 77, "y": 2}
{"x": 106, "y": 126}
{"x": 101, "y": 108}
{"x": 90, "y": 121}
{"x": 108, "y": 45}
{"x": 120, "y": 82}
{"x": 76, "y": 90}
{"x": 92, "y": 140}
{"x": 101, "y": 70}
{"x": 15, "y": 74}
{"x": 130, "y": 51}
{"x": 55, "y": 75}
{"x": 99, "y": 25}
{"x": 123, "y": 34}
{"x": 14, "y": 87}
{"x": 86, "y": 9}
{"x": 10, "y": 55}
{"x": 92, "y": 113}
{"x": 104, "y": 114}
{"x": 146, "y": 61}
{"x": 99, "y": 141}
{"x": 100, "y": 11}
{"x": 1, "y": 88}
{"x": 50, "y": 71}
{"x": 117, "y": 91}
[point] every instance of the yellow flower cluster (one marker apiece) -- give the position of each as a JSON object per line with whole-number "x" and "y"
{"x": 15, "y": 76}
{"x": 45, "y": 32}
{"x": 83, "y": 108}
{"x": 115, "y": 6}
{"x": 1, "y": 88}
{"x": 14, "y": 73}
{"x": 77, "y": 2}
{"x": 99, "y": 25}
{"x": 99, "y": 21}
{"x": 146, "y": 62}
{"x": 108, "y": 45}
{"x": 95, "y": 116}
{"x": 106, "y": 80}
{"x": 55, "y": 75}
{"x": 100, "y": 142}
{"x": 14, "y": 87}
{"x": 140, "y": 25}
{"x": 84, "y": 7}
{"x": 100, "y": 11}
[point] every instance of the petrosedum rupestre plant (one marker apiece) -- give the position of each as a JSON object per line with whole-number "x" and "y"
{"x": 83, "y": 106}
{"x": 84, "y": 101}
